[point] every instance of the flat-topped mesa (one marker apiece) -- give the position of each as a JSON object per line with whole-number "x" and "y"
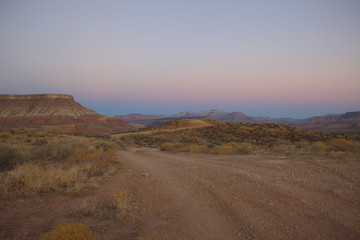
{"x": 42, "y": 105}
{"x": 35, "y": 96}
{"x": 54, "y": 113}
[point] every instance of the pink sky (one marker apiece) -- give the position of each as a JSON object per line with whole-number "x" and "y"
{"x": 276, "y": 58}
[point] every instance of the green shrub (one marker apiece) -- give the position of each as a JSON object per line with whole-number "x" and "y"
{"x": 71, "y": 231}
{"x": 9, "y": 157}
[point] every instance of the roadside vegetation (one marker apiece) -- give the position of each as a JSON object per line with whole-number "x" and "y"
{"x": 119, "y": 210}
{"x": 36, "y": 163}
{"x": 69, "y": 231}
{"x": 242, "y": 138}
{"x": 39, "y": 164}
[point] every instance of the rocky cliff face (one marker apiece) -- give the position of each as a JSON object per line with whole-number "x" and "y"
{"x": 54, "y": 112}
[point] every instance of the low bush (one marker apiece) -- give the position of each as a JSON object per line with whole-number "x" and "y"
{"x": 29, "y": 180}
{"x": 284, "y": 147}
{"x": 194, "y": 148}
{"x": 342, "y": 145}
{"x": 167, "y": 146}
{"x": 9, "y": 157}
{"x": 74, "y": 162}
{"x": 68, "y": 231}
{"x": 319, "y": 147}
{"x": 243, "y": 149}
{"x": 226, "y": 149}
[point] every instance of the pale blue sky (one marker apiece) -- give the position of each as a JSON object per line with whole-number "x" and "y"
{"x": 275, "y": 58}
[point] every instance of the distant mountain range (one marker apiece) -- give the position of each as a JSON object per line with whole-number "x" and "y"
{"x": 347, "y": 122}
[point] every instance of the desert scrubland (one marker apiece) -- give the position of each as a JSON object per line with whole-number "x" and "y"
{"x": 185, "y": 179}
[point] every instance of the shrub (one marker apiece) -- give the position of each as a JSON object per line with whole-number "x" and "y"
{"x": 285, "y": 147}
{"x": 29, "y": 179}
{"x": 167, "y": 146}
{"x": 223, "y": 149}
{"x": 204, "y": 149}
{"x": 71, "y": 231}
{"x": 319, "y": 146}
{"x": 4, "y": 136}
{"x": 342, "y": 145}
{"x": 243, "y": 149}
{"x": 178, "y": 146}
{"x": 194, "y": 148}
{"x": 79, "y": 156}
{"x": 9, "y": 157}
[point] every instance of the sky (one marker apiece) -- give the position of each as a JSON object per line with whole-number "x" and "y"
{"x": 277, "y": 58}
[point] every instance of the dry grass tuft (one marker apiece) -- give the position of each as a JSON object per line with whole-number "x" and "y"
{"x": 118, "y": 210}
{"x": 88, "y": 208}
{"x": 68, "y": 231}
{"x": 122, "y": 211}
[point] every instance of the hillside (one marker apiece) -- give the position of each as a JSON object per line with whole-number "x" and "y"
{"x": 342, "y": 123}
{"x": 220, "y": 132}
{"x": 54, "y": 113}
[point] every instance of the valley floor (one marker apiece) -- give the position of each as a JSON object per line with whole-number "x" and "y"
{"x": 207, "y": 196}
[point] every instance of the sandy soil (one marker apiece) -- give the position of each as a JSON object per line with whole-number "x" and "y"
{"x": 205, "y": 196}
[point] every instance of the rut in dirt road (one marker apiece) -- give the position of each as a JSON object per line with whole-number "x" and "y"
{"x": 204, "y": 196}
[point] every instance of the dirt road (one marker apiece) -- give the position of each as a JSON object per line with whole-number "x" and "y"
{"x": 204, "y": 196}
